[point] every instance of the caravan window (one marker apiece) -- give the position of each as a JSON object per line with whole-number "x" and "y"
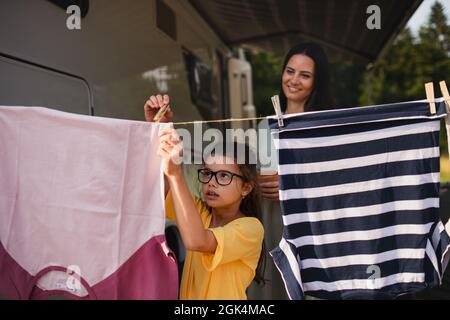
{"x": 200, "y": 77}
{"x": 244, "y": 89}
{"x": 24, "y": 84}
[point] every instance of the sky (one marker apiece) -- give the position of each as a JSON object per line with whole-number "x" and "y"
{"x": 420, "y": 17}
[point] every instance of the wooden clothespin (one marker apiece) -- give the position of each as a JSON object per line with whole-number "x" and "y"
{"x": 445, "y": 94}
{"x": 429, "y": 90}
{"x": 277, "y": 107}
{"x": 161, "y": 112}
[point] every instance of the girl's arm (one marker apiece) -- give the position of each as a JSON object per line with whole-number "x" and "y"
{"x": 166, "y": 186}
{"x": 195, "y": 236}
{"x": 151, "y": 108}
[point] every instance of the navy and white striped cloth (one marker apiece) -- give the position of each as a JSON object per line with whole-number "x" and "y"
{"x": 359, "y": 191}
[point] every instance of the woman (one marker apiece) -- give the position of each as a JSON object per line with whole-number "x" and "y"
{"x": 304, "y": 87}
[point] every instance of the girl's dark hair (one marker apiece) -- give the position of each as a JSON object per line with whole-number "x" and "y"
{"x": 251, "y": 205}
{"x": 320, "y": 98}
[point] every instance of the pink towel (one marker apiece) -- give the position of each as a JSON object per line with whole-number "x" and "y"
{"x": 81, "y": 208}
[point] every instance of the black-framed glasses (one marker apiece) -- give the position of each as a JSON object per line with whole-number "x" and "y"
{"x": 223, "y": 177}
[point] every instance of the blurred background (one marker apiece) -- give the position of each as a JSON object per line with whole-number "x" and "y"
{"x": 420, "y": 53}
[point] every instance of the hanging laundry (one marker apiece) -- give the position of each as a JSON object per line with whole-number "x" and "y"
{"x": 359, "y": 191}
{"x": 81, "y": 208}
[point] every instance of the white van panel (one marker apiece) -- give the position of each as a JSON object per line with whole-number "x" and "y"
{"x": 119, "y": 51}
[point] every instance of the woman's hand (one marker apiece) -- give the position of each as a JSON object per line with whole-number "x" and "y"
{"x": 171, "y": 151}
{"x": 152, "y": 106}
{"x": 269, "y": 186}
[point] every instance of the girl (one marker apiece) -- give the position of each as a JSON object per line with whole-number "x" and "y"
{"x": 222, "y": 234}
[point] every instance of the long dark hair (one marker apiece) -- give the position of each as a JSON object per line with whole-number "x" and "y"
{"x": 320, "y": 98}
{"x": 251, "y": 205}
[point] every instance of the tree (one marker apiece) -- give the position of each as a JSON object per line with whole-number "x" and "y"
{"x": 266, "y": 71}
{"x": 410, "y": 62}
{"x": 434, "y": 47}
{"x": 394, "y": 77}
{"x": 399, "y": 75}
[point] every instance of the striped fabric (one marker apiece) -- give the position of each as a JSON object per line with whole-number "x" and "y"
{"x": 359, "y": 191}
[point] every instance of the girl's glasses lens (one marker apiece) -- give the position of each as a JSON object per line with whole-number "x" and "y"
{"x": 224, "y": 178}
{"x": 204, "y": 176}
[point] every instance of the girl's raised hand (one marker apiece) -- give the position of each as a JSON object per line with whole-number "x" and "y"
{"x": 152, "y": 106}
{"x": 171, "y": 151}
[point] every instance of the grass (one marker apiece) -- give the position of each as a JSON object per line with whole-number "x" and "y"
{"x": 445, "y": 169}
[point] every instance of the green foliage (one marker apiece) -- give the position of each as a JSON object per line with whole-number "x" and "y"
{"x": 266, "y": 70}
{"x": 401, "y": 73}
{"x": 345, "y": 80}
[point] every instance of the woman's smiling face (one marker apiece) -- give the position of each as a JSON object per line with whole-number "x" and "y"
{"x": 298, "y": 78}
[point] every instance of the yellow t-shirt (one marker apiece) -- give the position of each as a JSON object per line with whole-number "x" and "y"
{"x": 228, "y": 272}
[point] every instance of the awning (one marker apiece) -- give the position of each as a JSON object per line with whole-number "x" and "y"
{"x": 338, "y": 25}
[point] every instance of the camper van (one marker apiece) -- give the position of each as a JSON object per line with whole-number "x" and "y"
{"x": 105, "y": 58}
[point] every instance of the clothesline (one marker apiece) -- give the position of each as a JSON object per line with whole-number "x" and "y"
{"x": 218, "y": 120}
{"x": 237, "y": 119}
